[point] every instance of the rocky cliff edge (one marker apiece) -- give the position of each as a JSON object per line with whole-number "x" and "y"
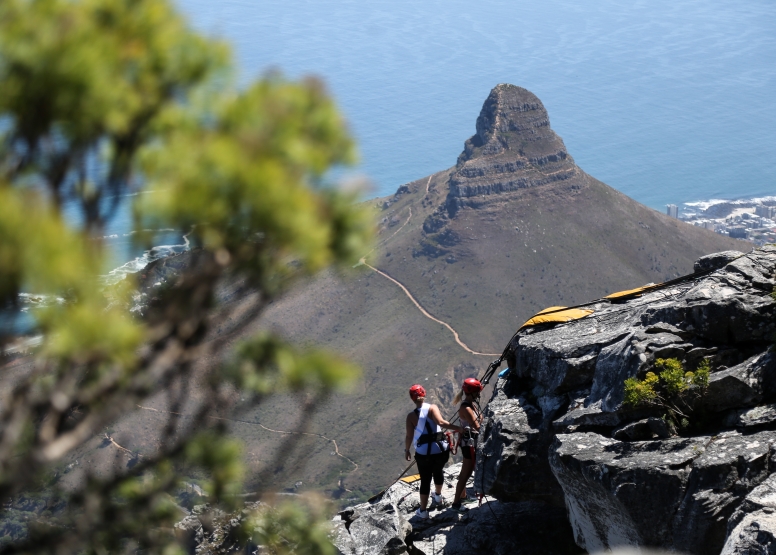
{"x": 558, "y": 431}
{"x": 567, "y": 466}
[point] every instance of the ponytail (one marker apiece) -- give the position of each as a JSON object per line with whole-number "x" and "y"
{"x": 458, "y": 397}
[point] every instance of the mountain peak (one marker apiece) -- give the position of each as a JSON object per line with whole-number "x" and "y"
{"x": 513, "y": 148}
{"x": 510, "y": 116}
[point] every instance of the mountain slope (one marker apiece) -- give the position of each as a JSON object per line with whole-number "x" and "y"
{"x": 513, "y": 228}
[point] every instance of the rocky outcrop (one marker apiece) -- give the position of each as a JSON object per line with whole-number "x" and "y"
{"x": 513, "y": 148}
{"x": 752, "y": 528}
{"x": 389, "y": 526}
{"x": 557, "y": 426}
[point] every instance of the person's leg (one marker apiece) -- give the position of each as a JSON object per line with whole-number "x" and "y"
{"x": 439, "y": 471}
{"x": 425, "y": 470}
{"x": 466, "y": 471}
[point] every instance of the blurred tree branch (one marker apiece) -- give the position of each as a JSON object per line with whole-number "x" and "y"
{"x": 102, "y": 98}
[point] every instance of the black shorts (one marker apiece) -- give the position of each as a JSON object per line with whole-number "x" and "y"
{"x": 469, "y": 452}
{"x": 431, "y": 466}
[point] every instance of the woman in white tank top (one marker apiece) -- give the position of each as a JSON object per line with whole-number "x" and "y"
{"x": 432, "y": 450}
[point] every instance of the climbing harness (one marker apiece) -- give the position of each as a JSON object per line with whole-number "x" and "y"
{"x": 425, "y": 435}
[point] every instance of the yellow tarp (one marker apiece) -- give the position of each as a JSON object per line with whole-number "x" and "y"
{"x": 410, "y": 479}
{"x": 557, "y": 315}
{"x": 629, "y": 292}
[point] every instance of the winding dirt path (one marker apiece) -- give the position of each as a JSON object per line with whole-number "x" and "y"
{"x": 425, "y": 312}
{"x": 384, "y": 241}
{"x": 395, "y": 232}
{"x": 336, "y": 447}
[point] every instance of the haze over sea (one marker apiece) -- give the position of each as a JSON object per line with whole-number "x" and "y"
{"x": 667, "y": 101}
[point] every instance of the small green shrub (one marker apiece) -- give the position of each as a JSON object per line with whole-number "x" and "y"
{"x": 673, "y": 389}
{"x": 702, "y": 373}
{"x": 672, "y": 375}
{"x": 638, "y": 392}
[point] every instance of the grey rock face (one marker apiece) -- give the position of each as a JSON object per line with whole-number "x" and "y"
{"x": 715, "y": 261}
{"x": 647, "y": 428}
{"x": 189, "y": 533}
{"x": 752, "y": 529}
{"x": 511, "y": 452}
{"x": 745, "y": 384}
{"x": 675, "y": 493}
{"x": 749, "y": 418}
{"x": 381, "y": 533}
{"x": 559, "y": 418}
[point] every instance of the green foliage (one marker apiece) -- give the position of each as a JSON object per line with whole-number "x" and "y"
{"x": 637, "y": 392}
{"x": 702, "y": 373}
{"x": 672, "y": 375}
{"x": 268, "y": 364}
{"x": 672, "y": 390}
{"x": 100, "y": 98}
{"x": 288, "y": 528}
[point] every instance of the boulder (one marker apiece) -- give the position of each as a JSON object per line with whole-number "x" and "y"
{"x": 188, "y": 532}
{"x": 752, "y": 529}
{"x": 755, "y": 417}
{"x": 715, "y": 261}
{"x": 379, "y": 534}
{"x": 744, "y": 385}
{"x": 510, "y": 452}
{"x": 648, "y": 428}
{"x": 675, "y": 493}
{"x": 340, "y": 537}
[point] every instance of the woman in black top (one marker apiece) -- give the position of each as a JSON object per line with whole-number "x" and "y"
{"x": 471, "y": 418}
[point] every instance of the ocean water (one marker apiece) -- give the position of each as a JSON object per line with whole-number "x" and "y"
{"x": 667, "y": 101}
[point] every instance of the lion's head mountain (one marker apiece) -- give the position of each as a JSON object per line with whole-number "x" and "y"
{"x": 513, "y": 227}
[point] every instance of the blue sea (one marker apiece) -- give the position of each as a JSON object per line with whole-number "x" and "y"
{"x": 669, "y": 102}
{"x": 666, "y": 101}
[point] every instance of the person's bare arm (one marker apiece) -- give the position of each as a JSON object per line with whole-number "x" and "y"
{"x": 434, "y": 413}
{"x": 408, "y": 437}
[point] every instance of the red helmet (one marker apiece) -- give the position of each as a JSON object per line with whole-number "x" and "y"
{"x": 472, "y": 386}
{"x": 417, "y": 391}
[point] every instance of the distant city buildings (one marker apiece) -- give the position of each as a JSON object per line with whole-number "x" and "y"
{"x": 751, "y": 220}
{"x": 765, "y": 211}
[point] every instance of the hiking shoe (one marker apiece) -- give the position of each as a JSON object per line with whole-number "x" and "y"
{"x": 437, "y": 497}
{"x": 422, "y": 514}
{"x": 458, "y": 508}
